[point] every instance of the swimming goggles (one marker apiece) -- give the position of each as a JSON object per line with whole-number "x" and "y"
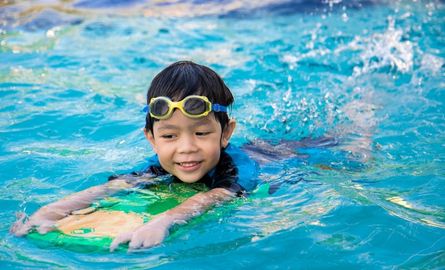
{"x": 191, "y": 106}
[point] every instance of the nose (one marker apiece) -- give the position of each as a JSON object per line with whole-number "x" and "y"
{"x": 187, "y": 144}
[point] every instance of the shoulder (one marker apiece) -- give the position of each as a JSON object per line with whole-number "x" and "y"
{"x": 247, "y": 168}
{"x": 240, "y": 158}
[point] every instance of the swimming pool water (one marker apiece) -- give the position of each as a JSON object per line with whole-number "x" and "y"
{"x": 73, "y": 76}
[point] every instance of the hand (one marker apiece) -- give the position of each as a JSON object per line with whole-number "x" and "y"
{"x": 148, "y": 235}
{"x": 40, "y": 223}
{"x": 44, "y": 220}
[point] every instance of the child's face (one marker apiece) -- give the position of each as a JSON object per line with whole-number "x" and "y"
{"x": 189, "y": 148}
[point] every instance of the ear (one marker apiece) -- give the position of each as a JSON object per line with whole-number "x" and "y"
{"x": 150, "y": 139}
{"x": 227, "y": 133}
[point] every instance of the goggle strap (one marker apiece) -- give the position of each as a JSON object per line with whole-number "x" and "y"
{"x": 146, "y": 109}
{"x": 219, "y": 108}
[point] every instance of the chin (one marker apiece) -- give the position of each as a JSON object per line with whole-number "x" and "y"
{"x": 190, "y": 179}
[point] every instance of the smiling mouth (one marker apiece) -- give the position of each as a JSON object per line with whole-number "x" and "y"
{"x": 189, "y": 164}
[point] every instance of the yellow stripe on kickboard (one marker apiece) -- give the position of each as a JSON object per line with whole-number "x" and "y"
{"x": 100, "y": 224}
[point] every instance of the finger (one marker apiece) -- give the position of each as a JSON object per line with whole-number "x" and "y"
{"x": 18, "y": 223}
{"x": 156, "y": 240}
{"x": 23, "y": 230}
{"x": 20, "y": 228}
{"x": 120, "y": 239}
{"x": 20, "y": 216}
{"x": 135, "y": 243}
{"x": 148, "y": 243}
{"x": 45, "y": 228}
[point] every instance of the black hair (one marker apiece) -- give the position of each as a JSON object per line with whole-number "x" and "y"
{"x": 185, "y": 78}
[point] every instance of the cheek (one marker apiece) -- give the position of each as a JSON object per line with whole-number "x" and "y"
{"x": 214, "y": 150}
{"x": 163, "y": 150}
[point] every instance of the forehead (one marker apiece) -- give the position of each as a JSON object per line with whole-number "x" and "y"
{"x": 180, "y": 121}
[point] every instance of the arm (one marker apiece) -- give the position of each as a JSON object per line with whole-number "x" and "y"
{"x": 154, "y": 232}
{"x": 46, "y": 217}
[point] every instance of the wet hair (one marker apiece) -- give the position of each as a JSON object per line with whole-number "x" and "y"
{"x": 185, "y": 78}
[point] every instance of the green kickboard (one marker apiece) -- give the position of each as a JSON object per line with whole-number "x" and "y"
{"x": 141, "y": 202}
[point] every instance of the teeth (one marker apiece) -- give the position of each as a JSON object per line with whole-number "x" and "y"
{"x": 188, "y": 164}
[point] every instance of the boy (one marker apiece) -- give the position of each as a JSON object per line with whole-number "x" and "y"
{"x": 189, "y": 129}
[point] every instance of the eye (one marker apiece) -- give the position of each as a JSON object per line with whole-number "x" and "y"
{"x": 202, "y": 133}
{"x": 167, "y": 136}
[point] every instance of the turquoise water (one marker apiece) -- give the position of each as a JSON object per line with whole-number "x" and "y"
{"x": 73, "y": 76}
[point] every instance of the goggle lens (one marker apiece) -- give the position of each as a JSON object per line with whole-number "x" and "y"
{"x": 195, "y": 106}
{"x": 159, "y": 107}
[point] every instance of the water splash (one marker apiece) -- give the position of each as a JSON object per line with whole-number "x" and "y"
{"x": 381, "y": 50}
